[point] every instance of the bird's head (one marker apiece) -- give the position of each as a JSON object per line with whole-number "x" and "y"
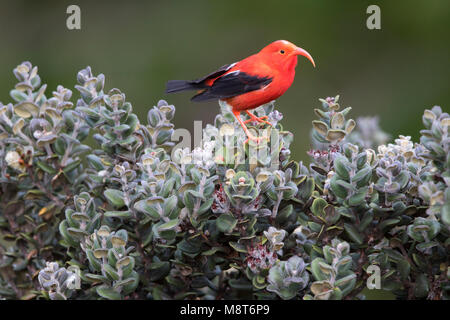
{"x": 284, "y": 54}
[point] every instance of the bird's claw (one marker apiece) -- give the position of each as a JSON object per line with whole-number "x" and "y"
{"x": 257, "y": 140}
{"x": 254, "y": 118}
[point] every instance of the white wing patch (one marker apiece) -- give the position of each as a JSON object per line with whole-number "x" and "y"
{"x": 265, "y": 87}
{"x": 234, "y": 73}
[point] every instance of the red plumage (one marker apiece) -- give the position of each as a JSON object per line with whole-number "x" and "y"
{"x": 249, "y": 83}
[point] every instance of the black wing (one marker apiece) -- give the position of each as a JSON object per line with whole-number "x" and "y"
{"x": 181, "y": 85}
{"x": 214, "y": 74}
{"x": 232, "y": 84}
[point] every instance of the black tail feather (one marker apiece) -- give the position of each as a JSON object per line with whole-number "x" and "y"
{"x": 203, "y": 96}
{"x": 179, "y": 85}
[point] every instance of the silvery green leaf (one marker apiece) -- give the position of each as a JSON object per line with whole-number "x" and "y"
{"x": 342, "y": 167}
{"x": 335, "y": 135}
{"x": 353, "y": 233}
{"x": 337, "y": 121}
{"x": 115, "y": 197}
{"x": 26, "y": 109}
{"x": 317, "y": 271}
{"x": 317, "y": 206}
{"x": 363, "y": 174}
{"x": 358, "y": 198}
{"x": 226, "y": 222}
{"x": 404, "y": 269}
{"x": 168, "y": 225}
{"x": 111, "y": 272}
{"x": 322, "y": 290}
{"x": 108, "y": 293}
{"x": 238, "y": 247}
{"x": 320, "y": 127}
{"x": 18, "y": 95}
{"x": 151, "y": 208}
{"x": 119, "y": 214}
{"x": 421, "y": 287}
{"x": 349, "y": 126}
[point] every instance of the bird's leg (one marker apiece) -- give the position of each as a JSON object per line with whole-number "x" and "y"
{"x": 255, "y": 118}
{"x": 247, "y": 132}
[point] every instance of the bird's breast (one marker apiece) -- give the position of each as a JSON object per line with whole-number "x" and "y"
{"x": 254, "y": 99}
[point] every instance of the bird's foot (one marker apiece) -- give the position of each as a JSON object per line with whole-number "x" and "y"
{"x": 254, "y": 118}
{"x": 257, "y": 140}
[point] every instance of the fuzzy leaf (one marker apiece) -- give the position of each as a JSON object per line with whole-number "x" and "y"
{"x": 108, "y": 293}
{"x": 115, "y": 197}
{"x": 226, "y": 222}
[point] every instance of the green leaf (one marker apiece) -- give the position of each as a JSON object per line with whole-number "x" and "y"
{"x": 170, "y": 204}
{"x": 388, "y": 222}
{"x": 344, "y": 281}
{"x": 45, "y": 167}
{"x": 445, "y": 213}
{"x": 91, "y": 277}
{"x": 403, "y": 178}
{"x": 320, "y": 127}
{"x": 366, "y": 220}
{"x": 121, "y": 128}
{"x": 238, "y": 247}
{"x": 88, "y": 111}
{"x": 18, "y": 95}
{"x": 317, "y": 272}
{"x": 259, "y": 282}
{"x": 337, "y": 188}
{"x": 95, "y": 162}
{"x": 127, "y": 141}
{"x": 93, "y": 261}
{"x": 341, "y": 167}
{"x": 353, "y": 233}
{"x": 226, "y": 222}
{"x": 72, "y": 166}
{"x": 60, "y": 146}
{"x": 211, "y": 251}
{"x": 361, "y": 161}
{"x": 108, "y": 293}
{"x": 284, "y": 214}
{"x": 240, "y": 284}
{"x": 318, "y": 206}
{"x": 421, "y": 287}
{"x": 205, "y": 206}
{"x": 345, "y": 185}
{"x": 404, "y": 268}
{"x": 344, "y": 264}
{"x": 118, "y": 214}
{"x": 111, "y": 272}
{"x": 115, "y": 197}
{"x": 306, "y": 188}
{"x": 124, "y": 282}
{"x": 358, "y": 198}
{"x": 167, "y": 188}
{"x": 362, "y": 174}
{"x": 168, "y": 225}
{"x": 148, "y": 207}
{"x": 26, "y": 109}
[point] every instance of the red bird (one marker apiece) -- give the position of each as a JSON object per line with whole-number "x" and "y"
{"x": 249, "y": 83}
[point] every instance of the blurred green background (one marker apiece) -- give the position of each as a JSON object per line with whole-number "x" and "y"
{"x": 394, "y": 72}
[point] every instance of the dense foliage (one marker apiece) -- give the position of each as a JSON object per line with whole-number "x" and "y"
{"x": 131, "y": 215}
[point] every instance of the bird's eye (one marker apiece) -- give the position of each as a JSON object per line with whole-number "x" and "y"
{"x": 282, "y": 51}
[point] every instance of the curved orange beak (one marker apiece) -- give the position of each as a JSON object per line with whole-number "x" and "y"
{"x": 303, "y": 52}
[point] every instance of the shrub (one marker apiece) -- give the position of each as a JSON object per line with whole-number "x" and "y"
{"x": 130, "y": 215}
